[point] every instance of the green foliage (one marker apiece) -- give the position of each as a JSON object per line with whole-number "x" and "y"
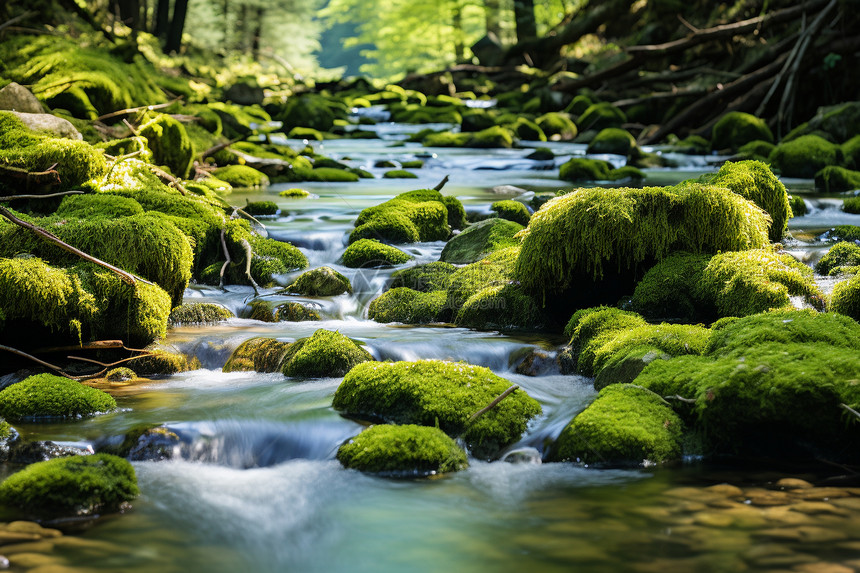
{"x": 424, "y": 278}
{"x": 833, "y": 178}
{"x": 843, "y": 254}
{"x": 369, "y": 253}
{"x": 198, "y": 313}
{"x": 258, "y": 354}
{"x": 402, "y": 451}
{"x": 70, "y": 487}
{"x": 401, "y": 304}
{"x": 512, "y": 211}
{"x": 50, "y": 396}
{"x": 241, "y": 176}
{"x": 324, "y": 354}
{"x": 600, "y": 116}
{"x": 804, "y": 156}
{"x": 441, "y": 394}
{"x": 626, "y": 424}
{"x": 322, "y": 281}
{"x": 481, "y": 239}
{"x": 169, "y": 143}
{"x": 846, "y": 297}
{"x": 613, "y": 140}
{"x": 735, "y": 129}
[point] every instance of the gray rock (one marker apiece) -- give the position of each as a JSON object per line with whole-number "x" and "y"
{"x": 18, "y": 98}
{"x": 50, "y": 123}
{"x": 244, "y": 94}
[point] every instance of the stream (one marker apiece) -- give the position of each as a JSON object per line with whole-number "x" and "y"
{"x": 256, "y": 487}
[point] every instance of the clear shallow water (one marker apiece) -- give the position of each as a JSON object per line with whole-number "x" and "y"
{"x": 254, "y": 485}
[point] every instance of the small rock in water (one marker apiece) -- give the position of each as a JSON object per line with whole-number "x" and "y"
{"x": 508, "y": 190}
{"x": 522, "y": 456}
{"x": 793, "y": 483}
{"x": 4, "y": 562}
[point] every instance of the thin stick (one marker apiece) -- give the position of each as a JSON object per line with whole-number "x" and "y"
{"x": 216, "y": 148}
{"x": 226, "y": 256}
{"x": 848, "y": 408}
{"x": 171, "y": 180}
{"x": 492, "y": 404}
{"x": 680, "y": 399}
{"x": 112, "y": 363}
{"x": 441, "y": 184}
{"x": 94, "y": 345}
{"x": 48, "y": 196}
{"x": 136, "y": 109}
{"x": 17, "y": 19}
{"x": 36, "y": 360}
{"x": 249, "y": 253}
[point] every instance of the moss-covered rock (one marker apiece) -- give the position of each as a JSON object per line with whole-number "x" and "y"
{"x": 269, "y": 257}
{"x": 401, "y": 304}
{"x": 612, "y": 140}
{"x": 600, "y": 116}
{"x": 327, "y": 175}
{"x": 98, "y": 205}
{"x": 323, "y": 354}
{"x": 169, "y": 143}
{"x": 840, "y": 121}
{"x": 399, "y": 174}
{"x": 241, "y": 176}
{"x": 198, "y": 313}
{"x": 295, "y": 312}
{"x": 496, "y": 269}
{"x": 625, "y": 425}
{"x": 259, "y": 354}
{"x": 308, "y": 110}
{"x": 557, "y": 126}
{"x": 421, "y": 215}
{"x": 833, "y": 178}
{"x": 851, "y": 152}
{"x": 161, "y": 362}
{"x": 441, "y": 394}
{"x": 264, "y": 208}
{"x": 798, "y": 205}
{"x": 294, "y": 193}
{"x": 527, "y": 130}
{"x": 842, "y": 254}
{"x": 500, "y": 307}
{"x": 369, "y": 253}
{"x": 756, "y": 151}
{"x": 737, "y": 128}
{"x": 512, "y": 211}
{"x": 322, "y": 281}
{"x": 390, "y": 226}
{"x": 480, "y": 239}
{"x": 402, "y": 451}
{"x": 846, "y": 297}
{"x": 844, "y": 233}
{"x": 851, "y": 205}
{"x": 583, "y": 169}
{"x": 804, "y": 156}
{"x": 424, "y": 278}
{"x": 669, "y": 290}
{"x": 70, "y": 487}
{"x": 50, "y": 396}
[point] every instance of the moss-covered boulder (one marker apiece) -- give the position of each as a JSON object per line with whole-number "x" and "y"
{"x": 294, "y": 193}
{"x": 737, "y": 128}
{"x": 846, "y": 297}
{"x": 851, "y": 152}
{"x": 600, "y": 116}
{"x": 323, "y": 354}
{"x": 496, "y": 269}
{"x": 500, "y": 307}
{"x": 798, "y": 205}
{"x": 198, "y": 313}
{"x": 402, "y": 451}
{"x": 241, "y": 176}
{"x": 612, "y": 140}
{"x": 840, "y": 121}
{"x": 70, "y": 487}
{"x": 369, "y": 253}
{"x": 401, "y": 304}
{"x": 163, "y": 362}
{"x": 851, "y": 205}
{"x": 625, "y": 425}
{"x": 48, "y": 396}
{"x": 844, "y": 233}
{"x": 756, "y": 151}
{"x": 804, "y": 156}
{"x": 424, "y": 278}
{"x": 557, "y": 126}
{"x": 842, "y": 254}
{"x": 833, "y": 179}
{"x": 322, "y": 281}
{"x": 399, "y": 174}
{"x": 583, "y": 169}
{"x": 259, "y": 354}
{"x": 480, "y": 239}
{"x": 512, "y": 211}
{"x": 389, "y": 226}
{"x": 421, "y": 215}
{"x": 261, "y": 208}
{"x": 669, "y": 290}
{"x": 169, "y": 143}
{"x": 440, "y": 394}
{"x": 295, "y": 312}
{"x": 97, "y": 205}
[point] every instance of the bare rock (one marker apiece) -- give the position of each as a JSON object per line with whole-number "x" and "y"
{"x": 18, "y": 98}
{"x": 50, "y": 123}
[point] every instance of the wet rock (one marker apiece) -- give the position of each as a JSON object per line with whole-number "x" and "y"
{"x": 51, "y": 123}
{"x": 725, "y": 489}
{"x": 803, "y": 534}
{"x": 822, "y": 493}
{"x": 258, "y": 354}
{"x": 143, "y": 443}
{"x": 507, "y": 190}
{"x": 322, "y": 281}
{"x": 713, "y": 519}
{"x": 296, "y": 312}
{"x": 823, "y": 567}
{"x": 538, "y": 363}
{"x": 323, "y": 354}
{"x": 793, "y": 483}
{"x": 16, "y": 97}
{"x": 818, "y": 508}
{"x": 765, "y": 497}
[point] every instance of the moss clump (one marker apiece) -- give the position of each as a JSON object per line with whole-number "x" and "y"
{"x": 625, "y": 425}
{"x": 161, "y": 362}
{"x": 424, "y": 213}
{"x": 390, "y": 226}
{"x": 755, "y": 181}
{"x": 851, "y": 152}
{"x": 804, "y": 156}
{"x": 526, "y": 129}
{"x": 402, "y": 451}
{"x": 613, "y": 140}
{"x": 591, "y": 234}
{"x": 369, "y": 253}
{"x": 500, "y": 307}
{"x": 49, "y": 396}
{"x": 169, "y": 143}
{"x": 399, "y": 174}
{"x": 324, "y": 354}
{"x": 756, "y": 150}
{"x": 557, "y": 126}
{"x": 441, "y": 394}
{"x": 446, "y": 139}
{"x": 495, "y": 269}
{"x": 736, "y": 129}
{"x": 833, "y": 178}
{"x": 241, "y": 176}
{"x": 401, "y": 304}
{"x": 852, "y": 205}
{"x": 322, "y": 281}
{"x": 73, "y": 486}
{"x": 600, "y": 116}
{"x": 258, "y": 354}
{"x": 424, "y": 278}
{"x": 480, "y": 239}
{"x": 269, "y": 257}
{"x": 98, "y": 205}
{"x": 265, "y": 208}
{"x": 198, "y": 313}
{"x": 75, "y": 161}
{"x": 327, "y": 175}
{"x": 120, "y": 374}
{"x": 294, "y": 193}
{"x": 669, "y": 290}
{"x": 798, "y": 205}
{"x": 843, "y": 254}
{"x": 295, "y": 312}
{"x": 846, "y": 297}
{"x": 584, "y": 169}
{"x": 512, "y": 211}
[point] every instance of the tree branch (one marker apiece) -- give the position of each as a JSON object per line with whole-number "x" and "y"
{"x": 492, "y": 404}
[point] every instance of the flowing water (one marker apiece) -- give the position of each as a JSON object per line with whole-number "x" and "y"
{"x": 254, "y": 485}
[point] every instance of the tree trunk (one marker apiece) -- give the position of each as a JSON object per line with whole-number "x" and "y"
{"x": 258, "y": 32}
{"x": 177, "y": 24}
{"x": 162, "y": 19}
{"x": 457, "y": 23}
{"x": 524, "y": 17}
{"x": 491, "y": 17}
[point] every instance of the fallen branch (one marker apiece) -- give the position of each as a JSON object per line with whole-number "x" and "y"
{"x": 108, "y": 365}
{"x": 48, "y": 196}
{"x": 94, "y": 345}
{"x": 50, "y": 177}
{"x": 36, "y": 360}
{"x": 249, "y": 253}
{"x": 441, "y": 184}
{"x": 492, "y": 404}
{"x": 216, "y": 148}
{"x": 226, "y": 256}
{"x": 131, "y": 110}
{"x": 166, "y": 177}
{"x": 849, "y": 409}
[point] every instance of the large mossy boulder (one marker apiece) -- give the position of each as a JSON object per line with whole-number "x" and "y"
{"x": 370, "y": 253}
{"x": 840, "y": 121}
{"x": 258, "y": 354}
{"x": 625, "y": 425}
{"x": 323, "y": 354}
{"x": 421, "y": 215}
{"x": 557, "y": 126}
{"x": 402, "y": 451}
{"x": 838, "y": 257}
{"x": 199, "y": 313}
{"x": 441, "y": 394}
{"x": 322, "y": 281}
{"x": 512, "y": 211}
{"x": 736, "y": 128}
{"x": 591, "y": 246}
{"x": 804, "y": 156}
{"x": 612, "y": 140}
{"x": 242, "y": 176}
{"x": 424, "y": 278}
{"x": 480, "y": 239}
{"x": 71, "y": 487}
{"x": 408, "y": 306}
{"x": 846, "y": 297}
{"x": 45, "y": 396}
{"x": 169, "y": 143}
{"x": 833, "y": 179}
{"x": 501, "y": 307}
{"x": 600, "y": 116}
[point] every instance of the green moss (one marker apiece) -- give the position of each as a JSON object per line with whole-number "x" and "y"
{"x": 843, "y": 254}
{"x": 492, "y": 137}
{"x": 626, "y": 424}
{"x": 495, "y": 269}
{"x": 257, "y": 354}
{"x": 840, "y": 121}
{"x": 557, "y": 126}
{"x": 391, "y": 226}
{"x": 512, "y": 211}
{"x": 322, "y": 281}
{"x": 49, "y": 396}
{"x": 480, "y": 239}
{"x": 527, "y": 130}
{"x": 120, "y": 374}
{"x": 833, "y": 178}
{"x": 294, "y": 193}
{"x": 399, "y": 174}
{"x": 295, "y": 312}
{"x": 308, "y": 110}
{"x": 424, "y": 278}
{"x": 369, "y": 253}
{"x": 129, "y": 145}
{"x": 798, "y": 205}
{"x": 578, "y": 105}
{"x": 323, "y": 354}
{"x": 169, "y": 143}
{"x": 445, "y": 139}
{"x": 755, "y": 181}
{"x": 260, "y": 310}
{"x": 434, "y": 393}
{"x": 476, "y": 120}
{"x": 851, "y": 205}
{"x": 412, "y": 164}
{"x": 586, "y": 234}
{"x": 161, "y": 362}
{"x": 402, "y": 451}
{"x": 98, "y": 205}
{"x": 308, "y": 133}
{"x": 270, "y": 257}
{"x": 541, "y": 154}
{"x": 804, "y": 156}
{"x": 846, "y": 298}
{"x": 327, "y": 175}
{"x": 851, "y": 152}
{"x": 265, "y": 208}
{"x": 845, "y": 233}
{"x": 736, "y": 129}
{"x": 613, "y": 140}
{"x": 581, "y": 169}
{"x": 73, "y": 486}
{"x": 401, "y": 304}
{"x": 500, "y": 307}
{"x": 241, "y": 176}
{"x": 669, "y": 290}
{"x": 624, "y": 365}
{"x": 425, "y": 212}
{"x": 692, "y": 145}
{"x": 600, "y": 116}
{"x": 238, "y": 120}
